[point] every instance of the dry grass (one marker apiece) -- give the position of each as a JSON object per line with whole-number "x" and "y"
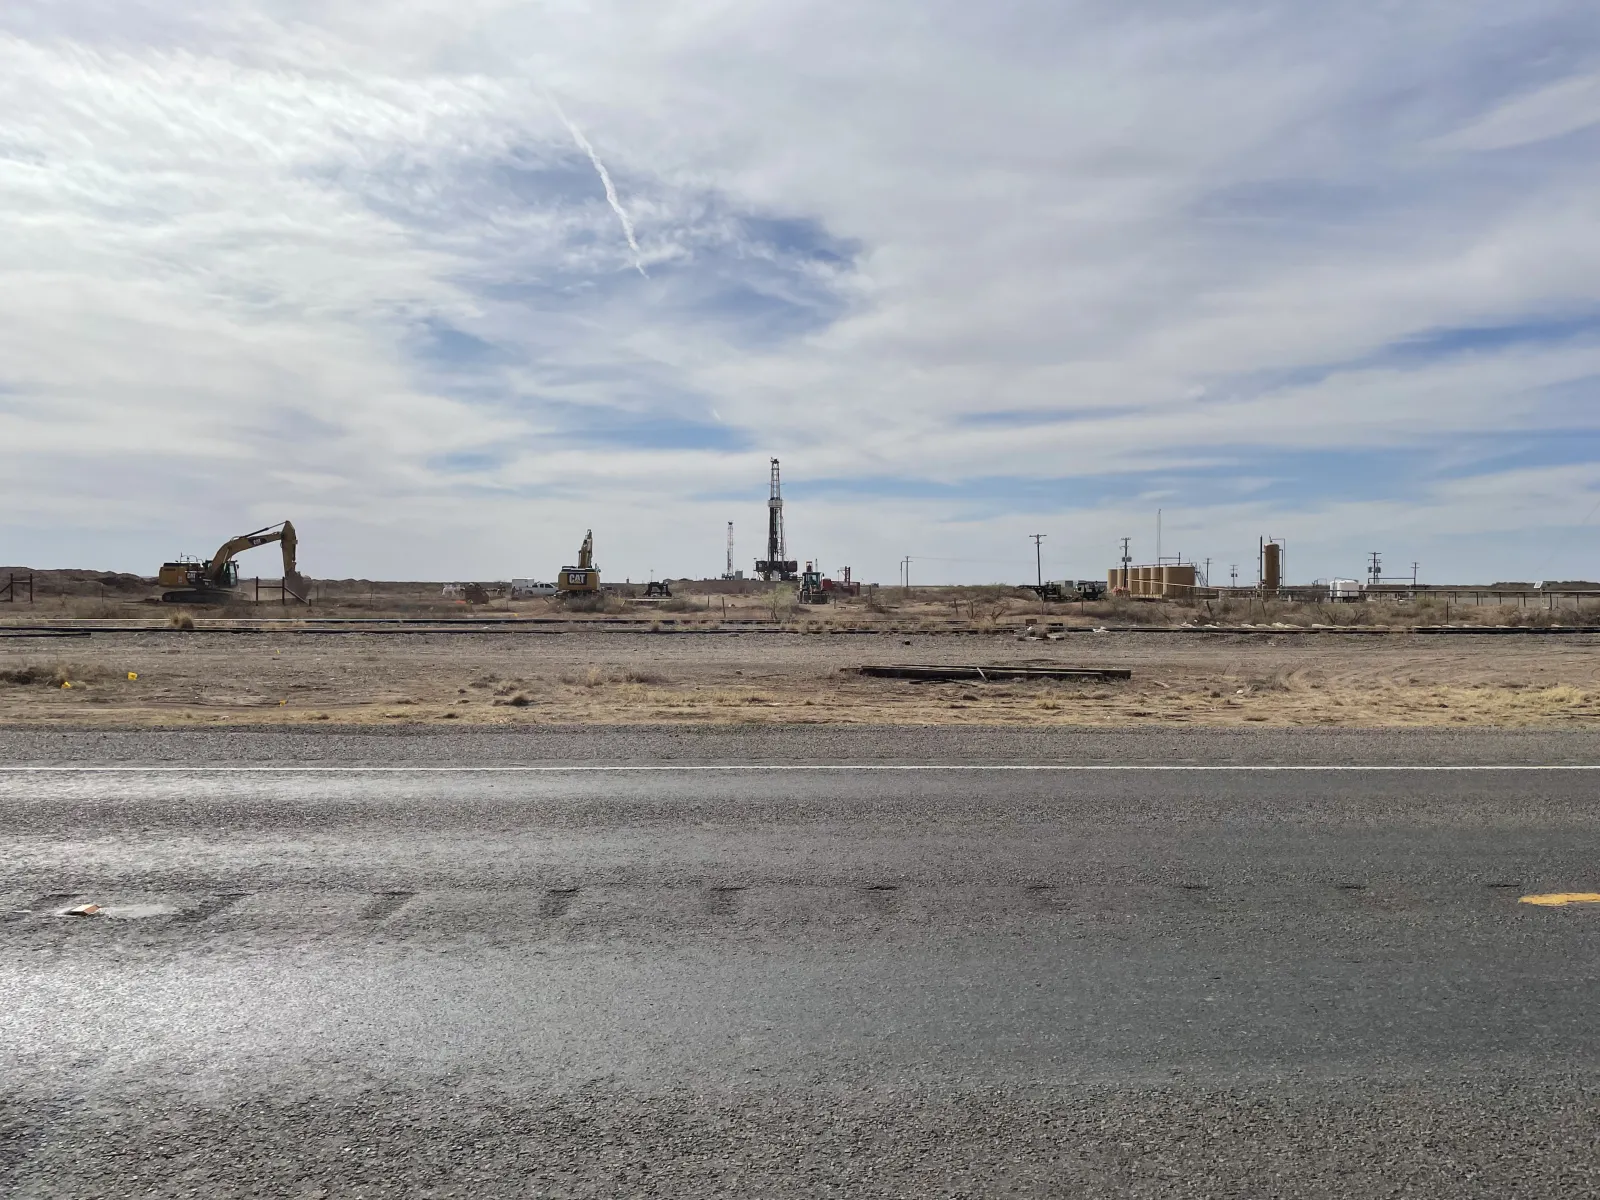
{"x": 54, "y": 675}
{"x": 506, "y": 678}
{"x": 930, "y": 608}
{"x": 592, "y": 603}
{"x": 619, "y": 701}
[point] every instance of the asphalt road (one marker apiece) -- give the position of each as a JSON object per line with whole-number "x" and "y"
{"x": 1164, "y": 979}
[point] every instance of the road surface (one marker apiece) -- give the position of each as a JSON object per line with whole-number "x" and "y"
{"x": 332, "y": 976}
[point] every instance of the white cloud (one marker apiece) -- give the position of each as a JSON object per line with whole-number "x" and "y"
{"x": 1559, "y": 108}
{"x": 342, "y": 263}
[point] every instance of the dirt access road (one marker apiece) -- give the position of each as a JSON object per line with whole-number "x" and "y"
{"x": 633, "y": 676}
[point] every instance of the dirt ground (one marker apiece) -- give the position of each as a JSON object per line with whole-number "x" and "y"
{"x": 594, "y": 675}
{"x": 93, "y": 595}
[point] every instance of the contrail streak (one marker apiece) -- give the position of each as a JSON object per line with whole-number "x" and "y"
{"x": 605, "y": 178}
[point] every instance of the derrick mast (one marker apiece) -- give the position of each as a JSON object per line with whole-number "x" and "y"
{"x": 777, "y": 564}
{"x": 776, "y": 545}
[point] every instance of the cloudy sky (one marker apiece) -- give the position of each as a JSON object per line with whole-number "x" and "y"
{"x": 1329, "y": 273}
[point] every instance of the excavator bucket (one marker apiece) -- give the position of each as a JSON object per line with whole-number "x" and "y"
{"x": 291, "y": 573}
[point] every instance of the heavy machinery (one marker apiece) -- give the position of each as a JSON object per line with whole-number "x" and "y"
{"x": 213, "y": 580}
{"x": 1061, "y": 590}
{"x": 816, "y": 588}
{"x": 585, "y": 577}
{"x": 811, "y": 586}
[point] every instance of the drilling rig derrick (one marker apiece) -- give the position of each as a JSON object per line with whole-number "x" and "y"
{"x": 777, "y": 564}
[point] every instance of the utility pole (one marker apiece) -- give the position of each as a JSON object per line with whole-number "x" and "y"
{"x": 1233, "y": 573}
{"x": 1158, "y": 537}
{"x": 1375, "y": 570}
{"x": 1038, "y": 556}
{"x": 1206, "y": 579}
{"x": 905, "y": 564}
{"x": 728, "y": 574}
{"x": 1126, "y": 563}
{"x": 1413, "y": 575}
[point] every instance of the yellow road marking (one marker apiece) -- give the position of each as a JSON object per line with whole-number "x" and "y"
{"x": 1557, "y": 899}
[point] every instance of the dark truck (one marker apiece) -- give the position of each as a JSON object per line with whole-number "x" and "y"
{"x": 1062, "y": 590}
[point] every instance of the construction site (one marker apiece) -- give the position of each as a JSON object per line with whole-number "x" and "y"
{"x": 202, "y": 641}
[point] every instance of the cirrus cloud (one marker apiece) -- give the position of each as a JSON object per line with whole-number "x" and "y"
{"x": 971, "y": 271}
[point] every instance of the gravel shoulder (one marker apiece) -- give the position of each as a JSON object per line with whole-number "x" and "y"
{"x": 1505, "y": 1137}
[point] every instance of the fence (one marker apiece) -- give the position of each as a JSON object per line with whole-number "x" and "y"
{"x": 1464, "y": 595}
{"x": 8, "y": 593}
{"x": 285, "y": 592}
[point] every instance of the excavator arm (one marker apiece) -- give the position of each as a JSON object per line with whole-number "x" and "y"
{"x": 282, "y": 532}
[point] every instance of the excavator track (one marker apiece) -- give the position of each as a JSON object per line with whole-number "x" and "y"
{"x": 195, "y": 597}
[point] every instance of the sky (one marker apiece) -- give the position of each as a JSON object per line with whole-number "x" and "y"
{"x": 449, "y": 284}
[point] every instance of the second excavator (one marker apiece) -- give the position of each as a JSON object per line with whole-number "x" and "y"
{"x": 585, "y": 577}
{"x": 213, "y": 580}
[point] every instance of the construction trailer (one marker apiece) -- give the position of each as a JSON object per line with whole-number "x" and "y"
{"x": 843, "y": 586}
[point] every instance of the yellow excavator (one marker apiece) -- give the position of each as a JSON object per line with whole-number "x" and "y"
{"x": 212, "y": 581}
{"x": 585, "y": 577}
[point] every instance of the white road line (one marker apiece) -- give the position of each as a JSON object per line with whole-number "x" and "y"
{"x": 690, "y": 768}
